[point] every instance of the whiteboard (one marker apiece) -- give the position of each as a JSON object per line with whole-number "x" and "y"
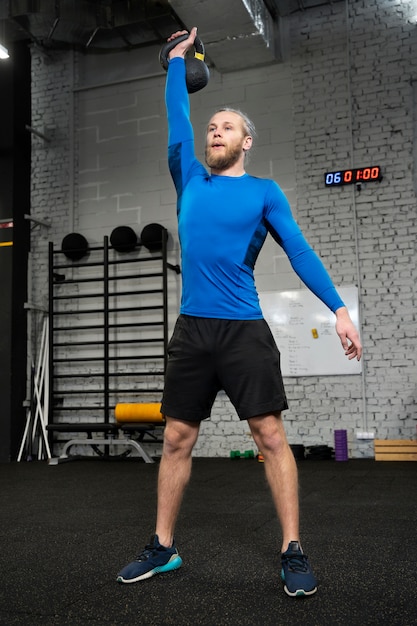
{"x": 304, "y": 331}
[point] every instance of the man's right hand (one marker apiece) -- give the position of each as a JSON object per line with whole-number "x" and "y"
{"x": 182, "y": 48}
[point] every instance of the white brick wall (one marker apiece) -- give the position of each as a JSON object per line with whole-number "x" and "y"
{"x": 343, "y": 97}
{"x": 381, "y": 46}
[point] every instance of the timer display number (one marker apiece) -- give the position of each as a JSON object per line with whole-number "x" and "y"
{"x": 350, "y": 177}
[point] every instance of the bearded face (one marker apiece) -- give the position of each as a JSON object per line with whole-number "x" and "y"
{"x": 226, "y": 141}
{"x": 221, "y": 157}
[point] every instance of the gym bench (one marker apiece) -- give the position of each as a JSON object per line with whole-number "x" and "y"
{"x": 111, "y": 437}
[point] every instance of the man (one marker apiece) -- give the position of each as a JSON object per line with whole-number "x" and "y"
{"x": 221, "y": 340}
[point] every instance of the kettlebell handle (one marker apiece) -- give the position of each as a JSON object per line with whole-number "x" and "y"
{"x": 166, "y": 49}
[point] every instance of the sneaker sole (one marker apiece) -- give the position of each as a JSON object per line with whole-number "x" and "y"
{"x": 300, "y": 593}
{"x": 174, "y": 563}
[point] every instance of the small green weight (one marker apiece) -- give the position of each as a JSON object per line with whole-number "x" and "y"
{"x": 237, "y": 454}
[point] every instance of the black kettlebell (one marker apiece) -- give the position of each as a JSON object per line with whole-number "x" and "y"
{"x": 197, "y": 72}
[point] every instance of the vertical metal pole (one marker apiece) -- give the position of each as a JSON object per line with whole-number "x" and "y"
{"x": 50, "y": 417}
{"x": 106, "y": 326}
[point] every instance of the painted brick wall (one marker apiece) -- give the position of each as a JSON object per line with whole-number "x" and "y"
{"x": 342, "y": 97}
{"x": 51, "y": 163}
{"x": 354, "y": 70}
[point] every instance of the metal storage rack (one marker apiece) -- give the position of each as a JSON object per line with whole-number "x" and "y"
{"x": 108, "y": 335}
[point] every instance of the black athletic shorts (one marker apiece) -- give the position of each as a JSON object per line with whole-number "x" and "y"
{"x": 207, "y": 355}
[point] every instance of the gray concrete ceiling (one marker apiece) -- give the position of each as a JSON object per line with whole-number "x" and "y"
{"x": 236, "y": 33}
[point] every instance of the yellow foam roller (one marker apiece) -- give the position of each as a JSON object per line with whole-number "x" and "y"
{"x": 138, "y": 412}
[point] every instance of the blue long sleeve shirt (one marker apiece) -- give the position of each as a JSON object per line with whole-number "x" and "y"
{"x": 223, "y": 222}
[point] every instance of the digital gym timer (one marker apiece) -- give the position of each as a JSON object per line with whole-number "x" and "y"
{"x": 353, "y": 176}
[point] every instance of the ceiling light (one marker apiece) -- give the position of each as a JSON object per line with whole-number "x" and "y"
{"x": 4, "y": 53}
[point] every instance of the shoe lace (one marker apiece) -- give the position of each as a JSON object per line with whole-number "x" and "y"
{"x": 297, "y": 563}
{"x": 146, "y": 553}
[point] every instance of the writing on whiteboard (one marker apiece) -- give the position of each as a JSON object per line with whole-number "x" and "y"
{"x": 304, "y": 331}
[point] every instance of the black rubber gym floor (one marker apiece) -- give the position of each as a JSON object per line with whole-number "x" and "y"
{"x": 66, "y": 530}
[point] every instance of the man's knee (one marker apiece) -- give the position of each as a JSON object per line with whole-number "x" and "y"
{"x": 268, "y": 432}
{"x": 180, "y": 436}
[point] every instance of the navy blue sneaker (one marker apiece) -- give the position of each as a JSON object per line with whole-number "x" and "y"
{"x": 155, "y": 559}
{"x": 296, "y": 572}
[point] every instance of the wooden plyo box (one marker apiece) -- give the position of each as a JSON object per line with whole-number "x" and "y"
{"x": 395, "y": 450}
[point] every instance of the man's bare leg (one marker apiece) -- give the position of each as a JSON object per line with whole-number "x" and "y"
{"x": 174, "y": 474}
{"x": 281, "y": 472}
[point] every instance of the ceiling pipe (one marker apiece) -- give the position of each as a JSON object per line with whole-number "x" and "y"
{"x": 94, "y": 33}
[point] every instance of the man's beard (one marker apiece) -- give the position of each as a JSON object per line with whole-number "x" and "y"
{"x": 223, "y": 161}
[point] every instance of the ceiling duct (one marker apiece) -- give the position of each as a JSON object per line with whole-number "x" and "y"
{"x": 237, "y": 34}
